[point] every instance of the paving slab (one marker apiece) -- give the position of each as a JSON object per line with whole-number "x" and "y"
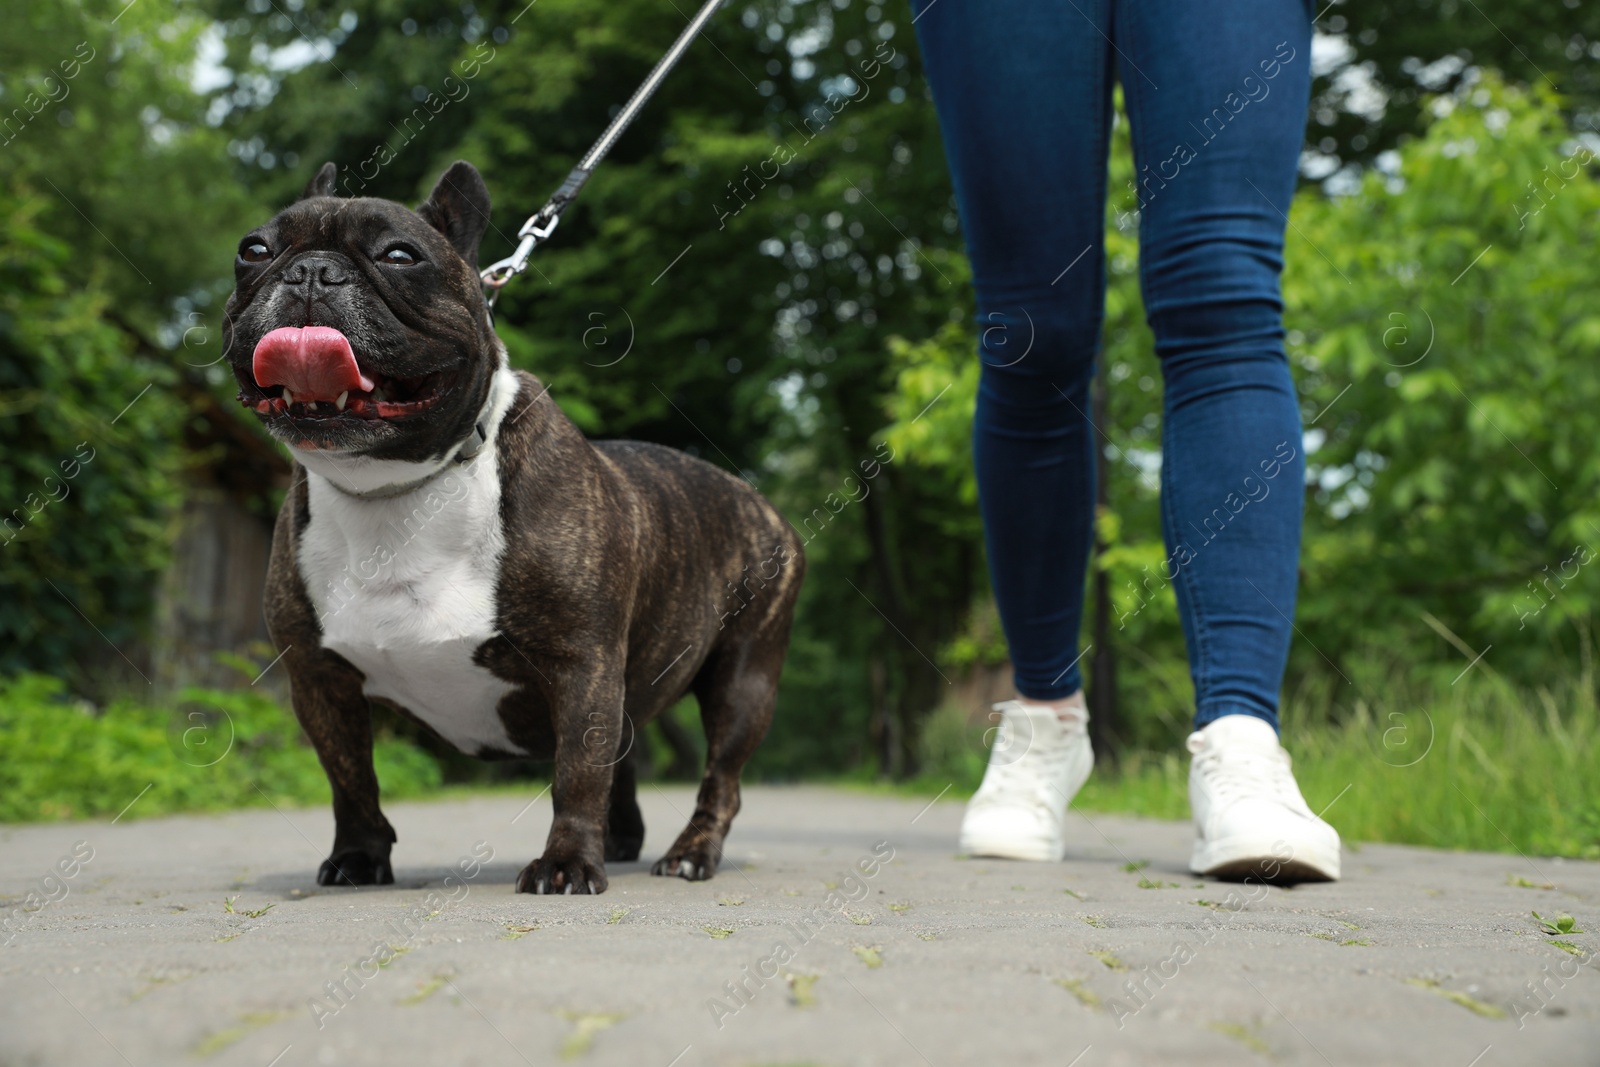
{"x": 843, "y": 928}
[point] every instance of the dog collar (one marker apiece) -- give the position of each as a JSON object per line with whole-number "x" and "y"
{"x": 466, "y": 452}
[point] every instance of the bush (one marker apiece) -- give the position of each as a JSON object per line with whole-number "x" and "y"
{"x": 114, "y": 234}
{"x": 1455, "y": 466}
{"x": 209, "y": 750}
{"x": 91, "y": 436}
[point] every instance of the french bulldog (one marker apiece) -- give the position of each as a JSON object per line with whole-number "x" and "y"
{"x": 452, "y": 545}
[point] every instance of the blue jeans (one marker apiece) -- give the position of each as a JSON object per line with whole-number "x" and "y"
{"x": 1216, "y": 93}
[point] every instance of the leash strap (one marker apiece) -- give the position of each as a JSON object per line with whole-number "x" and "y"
{"x": 542, "y": 223}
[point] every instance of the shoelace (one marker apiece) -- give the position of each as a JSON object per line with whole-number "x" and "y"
{"x": 1244, "y": 775}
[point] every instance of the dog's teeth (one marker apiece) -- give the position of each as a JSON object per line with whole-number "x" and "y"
{"x": 288, "y": 397}
{"x": 311, "y": 405}
{"x": 339, "y": 403}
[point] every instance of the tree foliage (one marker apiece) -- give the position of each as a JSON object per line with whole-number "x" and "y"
{"x": 1443, "y": 340}
{"x": 724, "y": 284}
{"x": 1379, "y": 64}
{"x": 112, "y": 239}
{"x": 1448, "y": 385}
{"x": 767, "y": 273}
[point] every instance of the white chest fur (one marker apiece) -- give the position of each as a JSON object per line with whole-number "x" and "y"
{"x": 405, "y": 587}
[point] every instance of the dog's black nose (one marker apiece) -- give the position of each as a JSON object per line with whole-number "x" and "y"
{"x": 316, "y": 272}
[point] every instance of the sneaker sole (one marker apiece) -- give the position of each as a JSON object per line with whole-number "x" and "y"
{"x": 1011, "y": 849}
{"x": 1241, "y": 859}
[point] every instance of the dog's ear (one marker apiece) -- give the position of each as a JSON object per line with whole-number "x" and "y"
{"x": 458, "y": 207}
{"x": 322, "y": 184}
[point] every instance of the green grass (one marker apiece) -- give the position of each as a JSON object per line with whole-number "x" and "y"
{"x": 1391, "y": 757}
{"x": 1248, "y": 1036}
{"x": 425, "y": 990}
{"x": 1478, "y": 765}
{"x": 802, "y": 989}
{"x": 1472, "y": 1004}
{"x": 586, "y": 1026}
{"x": 208, "y": 750}
{"x": 227, "y": 906}
{"x": 1080, "y": 989}
{"x": 871, "y": 955}
{"x": 1557, "y": 925}
{"x": 249, "y": 1022}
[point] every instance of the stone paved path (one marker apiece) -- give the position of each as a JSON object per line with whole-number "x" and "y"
{"x": 811, "y": 946}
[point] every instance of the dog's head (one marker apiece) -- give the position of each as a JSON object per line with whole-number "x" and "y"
{"x": 358, "y": 326}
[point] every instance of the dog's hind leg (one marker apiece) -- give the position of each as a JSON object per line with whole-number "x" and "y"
{"x": 624, "y": 823}
{"x": 737, "y": 688}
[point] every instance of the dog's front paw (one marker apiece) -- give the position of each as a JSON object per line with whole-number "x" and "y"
{"x": 355, "y": 868}
{"x": 697, "y": 864}
{"x": 557, "y": 873}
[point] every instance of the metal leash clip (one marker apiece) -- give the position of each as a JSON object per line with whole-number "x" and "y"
{"x": 540, "y": 226}
{"x": 537, "y": 228}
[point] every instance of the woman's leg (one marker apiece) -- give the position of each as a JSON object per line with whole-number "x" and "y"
{"x": 1217, "y": 94}
{"x": 1023, "y": 93}
{"x": 1022, "y": 89}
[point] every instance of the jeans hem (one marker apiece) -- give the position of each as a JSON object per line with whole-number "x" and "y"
{"x": 1047, "y": 692}
{"x": 1205, "y": 718}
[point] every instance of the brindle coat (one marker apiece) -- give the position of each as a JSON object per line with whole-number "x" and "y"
{"x": 616, "y": 586}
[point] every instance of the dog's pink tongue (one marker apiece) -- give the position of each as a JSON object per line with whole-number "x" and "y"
{"x": 312, "y": 362}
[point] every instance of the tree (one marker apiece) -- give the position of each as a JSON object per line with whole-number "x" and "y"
{"x": 102, "y": 139}
{"x": 1380, "y": 63}
{"x": 1457, "y": 460}
{"x": 724, "y": 284}
{"x": 1448, "y": 388}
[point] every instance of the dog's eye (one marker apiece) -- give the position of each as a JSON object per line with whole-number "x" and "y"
{"x": 254, "y": 252}
{"x": 400, "y": 255}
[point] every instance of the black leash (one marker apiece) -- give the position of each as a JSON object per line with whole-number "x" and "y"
{"x": 542, "y": 223}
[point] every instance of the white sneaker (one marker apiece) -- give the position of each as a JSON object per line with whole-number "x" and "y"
{"x": 1249, "y": 816}
{"x": 1038, "y": 763}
